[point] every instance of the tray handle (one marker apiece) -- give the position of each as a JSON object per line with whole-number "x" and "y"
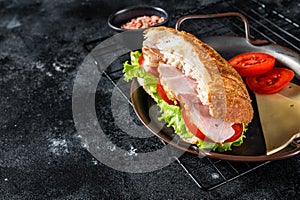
{"x": 296, "y": 142}
{"x": 226, "y": 14}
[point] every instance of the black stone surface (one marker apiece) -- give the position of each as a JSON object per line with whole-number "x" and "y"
{"x": 41, "y": 153}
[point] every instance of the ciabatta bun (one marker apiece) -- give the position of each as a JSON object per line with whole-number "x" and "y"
{"x": 219, "y": 85}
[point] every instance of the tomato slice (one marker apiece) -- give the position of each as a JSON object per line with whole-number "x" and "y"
{"x": 252, "y": 63}
{"x": 238, "y": 129}
{"x": 141, "y": 60}
{"x": 191, "y": 126}
{"x": 270, "y": 82}
{"x": 162, "y": 93}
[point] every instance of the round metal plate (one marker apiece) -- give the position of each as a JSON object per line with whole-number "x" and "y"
{"x": 253, "y": 148}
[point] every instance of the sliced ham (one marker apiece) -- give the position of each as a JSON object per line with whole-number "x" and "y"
{"x": 175, "y": 80}
{"x": 152, "y": 57}
{"x": 184, "y": 88}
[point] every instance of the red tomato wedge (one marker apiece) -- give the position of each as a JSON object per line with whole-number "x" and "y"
{"x": 141, "y": 60}
{"x": 162, "y": 93}
{"x": 252, "y": 63}
{"x": 270, "y": 82}
{"x": 191, "y": 126}
{"x": 238, "y": 128}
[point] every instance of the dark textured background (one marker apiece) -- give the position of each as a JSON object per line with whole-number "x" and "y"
{"x": 41, "y": 156}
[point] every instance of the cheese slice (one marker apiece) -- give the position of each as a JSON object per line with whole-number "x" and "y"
{"x": 280, "y": 117}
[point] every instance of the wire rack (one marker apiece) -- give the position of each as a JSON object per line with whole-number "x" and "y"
{"x": 265, "y": 23}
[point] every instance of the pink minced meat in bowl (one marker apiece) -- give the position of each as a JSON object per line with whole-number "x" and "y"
{"x": 137, "y": 18}
{"x": 143, "y": 22}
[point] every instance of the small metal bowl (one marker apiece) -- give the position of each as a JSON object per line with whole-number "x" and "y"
{"x": 117, "y": 19}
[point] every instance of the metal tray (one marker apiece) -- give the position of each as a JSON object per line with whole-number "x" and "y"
{"x": 253, "y": 147}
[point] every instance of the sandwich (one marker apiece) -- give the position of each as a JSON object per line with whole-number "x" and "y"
{"x": 199, "y": 94}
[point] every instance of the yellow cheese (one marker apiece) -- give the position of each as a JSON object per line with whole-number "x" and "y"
{"x": 280, "y": 117}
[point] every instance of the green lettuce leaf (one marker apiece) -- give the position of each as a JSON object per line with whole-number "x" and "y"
{"x": 132, "y": 70}
{"x": 171, "y": 114}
